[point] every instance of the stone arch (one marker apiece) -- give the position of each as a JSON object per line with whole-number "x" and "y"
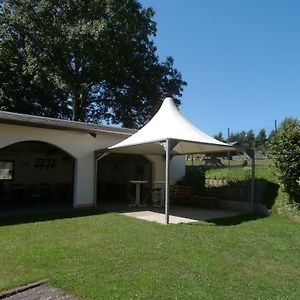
{"x": 6, "y": 143}
{"x": 80, "y": 145}
{"x": 38, "y": 141}
{"x": 44, "y": 173}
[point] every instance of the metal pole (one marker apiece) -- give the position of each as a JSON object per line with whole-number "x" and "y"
{"x": 253, "y": 181}
{"x": 96, "y": 181}
{"x": 228, "y": 154}
{"x": 167, "y": 181}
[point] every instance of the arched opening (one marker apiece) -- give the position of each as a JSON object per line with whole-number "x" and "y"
{"x": 116, "y": 173}
{"x": 35, "y": 174}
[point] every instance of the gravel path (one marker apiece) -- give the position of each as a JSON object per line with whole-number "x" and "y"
{"x": 41, "y": 293}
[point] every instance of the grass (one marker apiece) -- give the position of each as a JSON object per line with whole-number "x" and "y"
{"x": 108, "y": 256}
{"x": 263, "y": 170}
{"x": 231, "y": 174}
{"x": 274, "y": 197}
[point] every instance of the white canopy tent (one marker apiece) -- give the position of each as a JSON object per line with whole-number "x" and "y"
{"x": 169, "y": 133}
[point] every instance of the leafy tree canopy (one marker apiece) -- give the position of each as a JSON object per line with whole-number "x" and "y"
{"x": 219, "y": 137}
{"x": 285, "y": 151}
{"x": 86, "y": 60}
{"x": 261, "y": 138}
{"x": 245, "y": 140}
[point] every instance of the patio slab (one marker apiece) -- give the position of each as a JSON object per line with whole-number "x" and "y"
{"x": 181, "y": 215}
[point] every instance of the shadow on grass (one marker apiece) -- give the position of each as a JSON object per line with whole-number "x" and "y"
{"x": 47, "y": 216}
{"x": 230, "y": 221}
{"x": 270, "y": 192}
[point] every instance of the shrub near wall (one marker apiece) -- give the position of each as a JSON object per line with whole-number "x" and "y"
{"x": 235, "y": 184}
{"x": 285, "y": 151}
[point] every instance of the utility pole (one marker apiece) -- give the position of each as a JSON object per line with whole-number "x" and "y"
{"x": 276, "y": 130}
{"x": 253, "y": 180}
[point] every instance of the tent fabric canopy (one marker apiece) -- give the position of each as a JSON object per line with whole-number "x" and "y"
{"x": 169, "y": 123}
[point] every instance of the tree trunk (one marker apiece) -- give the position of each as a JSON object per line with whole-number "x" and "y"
{"x": 76, "y": 106}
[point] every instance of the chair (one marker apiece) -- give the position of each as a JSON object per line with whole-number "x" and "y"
{"x": 157, "y": 196}
{"x": 146, "y": 192}
{"x": 130, "y": 192}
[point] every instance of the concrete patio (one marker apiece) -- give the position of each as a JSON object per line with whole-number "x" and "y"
{"x": 178, "y": 214}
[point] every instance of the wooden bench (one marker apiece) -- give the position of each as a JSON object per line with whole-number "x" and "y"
{"x": 181, "y": 191}
{"x": 182, "y": 194}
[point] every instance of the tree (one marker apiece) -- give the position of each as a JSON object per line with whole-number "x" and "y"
{"x": 96, "y": 57}
{"x": 285, "y": 151}
{"x": 261, "y": 139}
{"x": 271, "y": 136}
{"x": 219, "y": 137}
{"x": 239, "y": 138}
{"x": 18, "y": 92}
{"x": 250, "y": 138}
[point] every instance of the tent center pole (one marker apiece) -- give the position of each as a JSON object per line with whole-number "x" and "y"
{"x": 167, "y": 181}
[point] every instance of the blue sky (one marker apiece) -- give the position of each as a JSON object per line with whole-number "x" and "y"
{"x": 240, "y": 58}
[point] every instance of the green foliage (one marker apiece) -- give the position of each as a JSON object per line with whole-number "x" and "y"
{"x": 219, "y": 137}
{"x": 285, "y": 151}
{"x": 97, "y": 57}
{"x": 284, "y": 207}
{"x": 229, "y": 174}
{"x": 260, "y": 139}
{"x": 245, "y": 140}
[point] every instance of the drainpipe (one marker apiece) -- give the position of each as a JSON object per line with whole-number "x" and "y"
{"x": 95, "y": 180}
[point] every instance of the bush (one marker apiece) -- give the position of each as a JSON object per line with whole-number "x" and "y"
{"x": 285, "y": 151}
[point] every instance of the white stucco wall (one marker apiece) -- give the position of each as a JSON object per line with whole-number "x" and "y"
{"x": 177, "y": 167}
{"x": 80, "y": 145}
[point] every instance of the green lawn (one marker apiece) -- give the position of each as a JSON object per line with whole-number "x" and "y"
{"x": 240, "y": 174}
{"x": 110, "y": 256}
{"x": 263, "y": 170}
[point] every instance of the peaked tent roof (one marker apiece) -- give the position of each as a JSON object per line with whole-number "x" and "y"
{"x": 169, "y": 123}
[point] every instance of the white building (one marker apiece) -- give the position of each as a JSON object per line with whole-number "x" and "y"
{"x": 47, "y": 159}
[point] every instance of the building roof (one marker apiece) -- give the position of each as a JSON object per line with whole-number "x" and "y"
{"x": 61, "y": 124}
